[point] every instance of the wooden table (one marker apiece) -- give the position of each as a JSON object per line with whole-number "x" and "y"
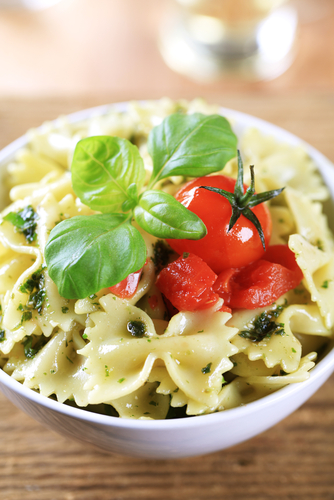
{"x": 295, "y": 459}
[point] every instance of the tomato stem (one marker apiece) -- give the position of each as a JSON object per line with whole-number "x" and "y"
{"x": 241, "y": 202}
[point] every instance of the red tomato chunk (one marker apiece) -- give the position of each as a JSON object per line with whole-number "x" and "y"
{"x": 261, "y": 283}
{"x": 128, "y": 287}
{"x": 187, "y": 283}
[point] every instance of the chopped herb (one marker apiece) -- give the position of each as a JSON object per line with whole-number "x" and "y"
{"x": 293, "y": 349}
{"x": 25, "y": 222}
{"x": 26, "y": 316}
{"x": 320, "y": 245}
{"x": 200, "y": 331}
{"x": 264, "y": 326}
{"x": 121, "y": 380}
{"x": 64, "y": 310}
{"x": 69, "y": 359}
{"x": 106, "y": 369}
{"x": 185, "y": 255}
{"x": 161, "y": 254}
{"x": 206, "y": 369}
{"x": 325, "y": 284}
{"x": 136, "y": 328}
{"x": 153, "y": 403}
{"x": 93, "y": 296}
{"x": 35, "y": 286}
{"x": 29, "y": 349}
{"x": 85, "y": 336}
{"x": 2, "y": 335}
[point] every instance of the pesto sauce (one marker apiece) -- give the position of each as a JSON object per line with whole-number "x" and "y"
{"x": 25, "y": 222}
{"x": 264, "y": 326}
{"x": 161, "y": 254}
{"x": 29, "y": 349}
{"x": 35, "y": 287}
{"x": 206, "y": 369}
{"x": 137, "y": 328}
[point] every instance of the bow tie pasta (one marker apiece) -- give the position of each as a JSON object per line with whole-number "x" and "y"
{"x": 126, "y": 350}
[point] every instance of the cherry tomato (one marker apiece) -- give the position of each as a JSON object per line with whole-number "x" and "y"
{"x": 222, "y": 249}
{"x": 261, "y": 283}
{"x": 187, "y": 283}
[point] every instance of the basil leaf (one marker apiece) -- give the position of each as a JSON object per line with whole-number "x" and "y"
{"x": 191, "y": 145}
{"x": 103, "y": 169}
{"x": 87, "y": 253}
{"x": 163, "y": 216}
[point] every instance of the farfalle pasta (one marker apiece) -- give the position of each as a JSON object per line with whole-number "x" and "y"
{"x": 137, "y": 356}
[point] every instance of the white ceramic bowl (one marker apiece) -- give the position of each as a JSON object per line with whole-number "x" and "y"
{"x": 181, "y": 437}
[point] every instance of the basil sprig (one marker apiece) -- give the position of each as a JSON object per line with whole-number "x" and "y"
{"x": 87, "y": 253}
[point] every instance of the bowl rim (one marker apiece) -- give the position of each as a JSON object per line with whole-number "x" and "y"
{"x": 323, "y": 368}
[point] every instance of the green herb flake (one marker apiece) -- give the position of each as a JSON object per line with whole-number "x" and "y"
{"x": 69, "y": 359}
{"x": 31, "y": 347}
{"x": 293, "y": 349}
{"x": 264, "y": 326}
{"x": 121, "y": 380}
{"x": 26, "y": 316}
{"x": 25, "y": 222}
{"x": 299, "y": 291}
{"x": 35, "y": 287}
{"x": 106, "y": 370}
{"x": 136, "y": 328}
{"x": 206, "y": 369}
{"x": 85, "y": 336}
{"x": 2, "y": 335}
{"x": 325, "y": 284}
{"x": 64, "y": 310}
{"x": 153, "y": 403}
{"x": 320, "y": 245}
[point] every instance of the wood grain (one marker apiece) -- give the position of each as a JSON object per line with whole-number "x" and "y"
{"x": 294, "y": 460}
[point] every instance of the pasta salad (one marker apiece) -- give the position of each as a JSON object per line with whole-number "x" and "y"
{"x": 147, "y": 272}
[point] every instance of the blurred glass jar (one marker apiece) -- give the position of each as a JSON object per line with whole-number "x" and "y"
{"x": 250, "y": 38}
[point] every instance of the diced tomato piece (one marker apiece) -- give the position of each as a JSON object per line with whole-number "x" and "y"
{"x": 225, "y": 309}
{"x": 260, "y": 283}
{"x": 128, "y": 287}
{"x": 187, "y": 283}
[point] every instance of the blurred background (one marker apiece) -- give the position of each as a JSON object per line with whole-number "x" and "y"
{"x": 270, "y": 58}
{"x": 112, "y": 47}
{"x": 68, "y": 54}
